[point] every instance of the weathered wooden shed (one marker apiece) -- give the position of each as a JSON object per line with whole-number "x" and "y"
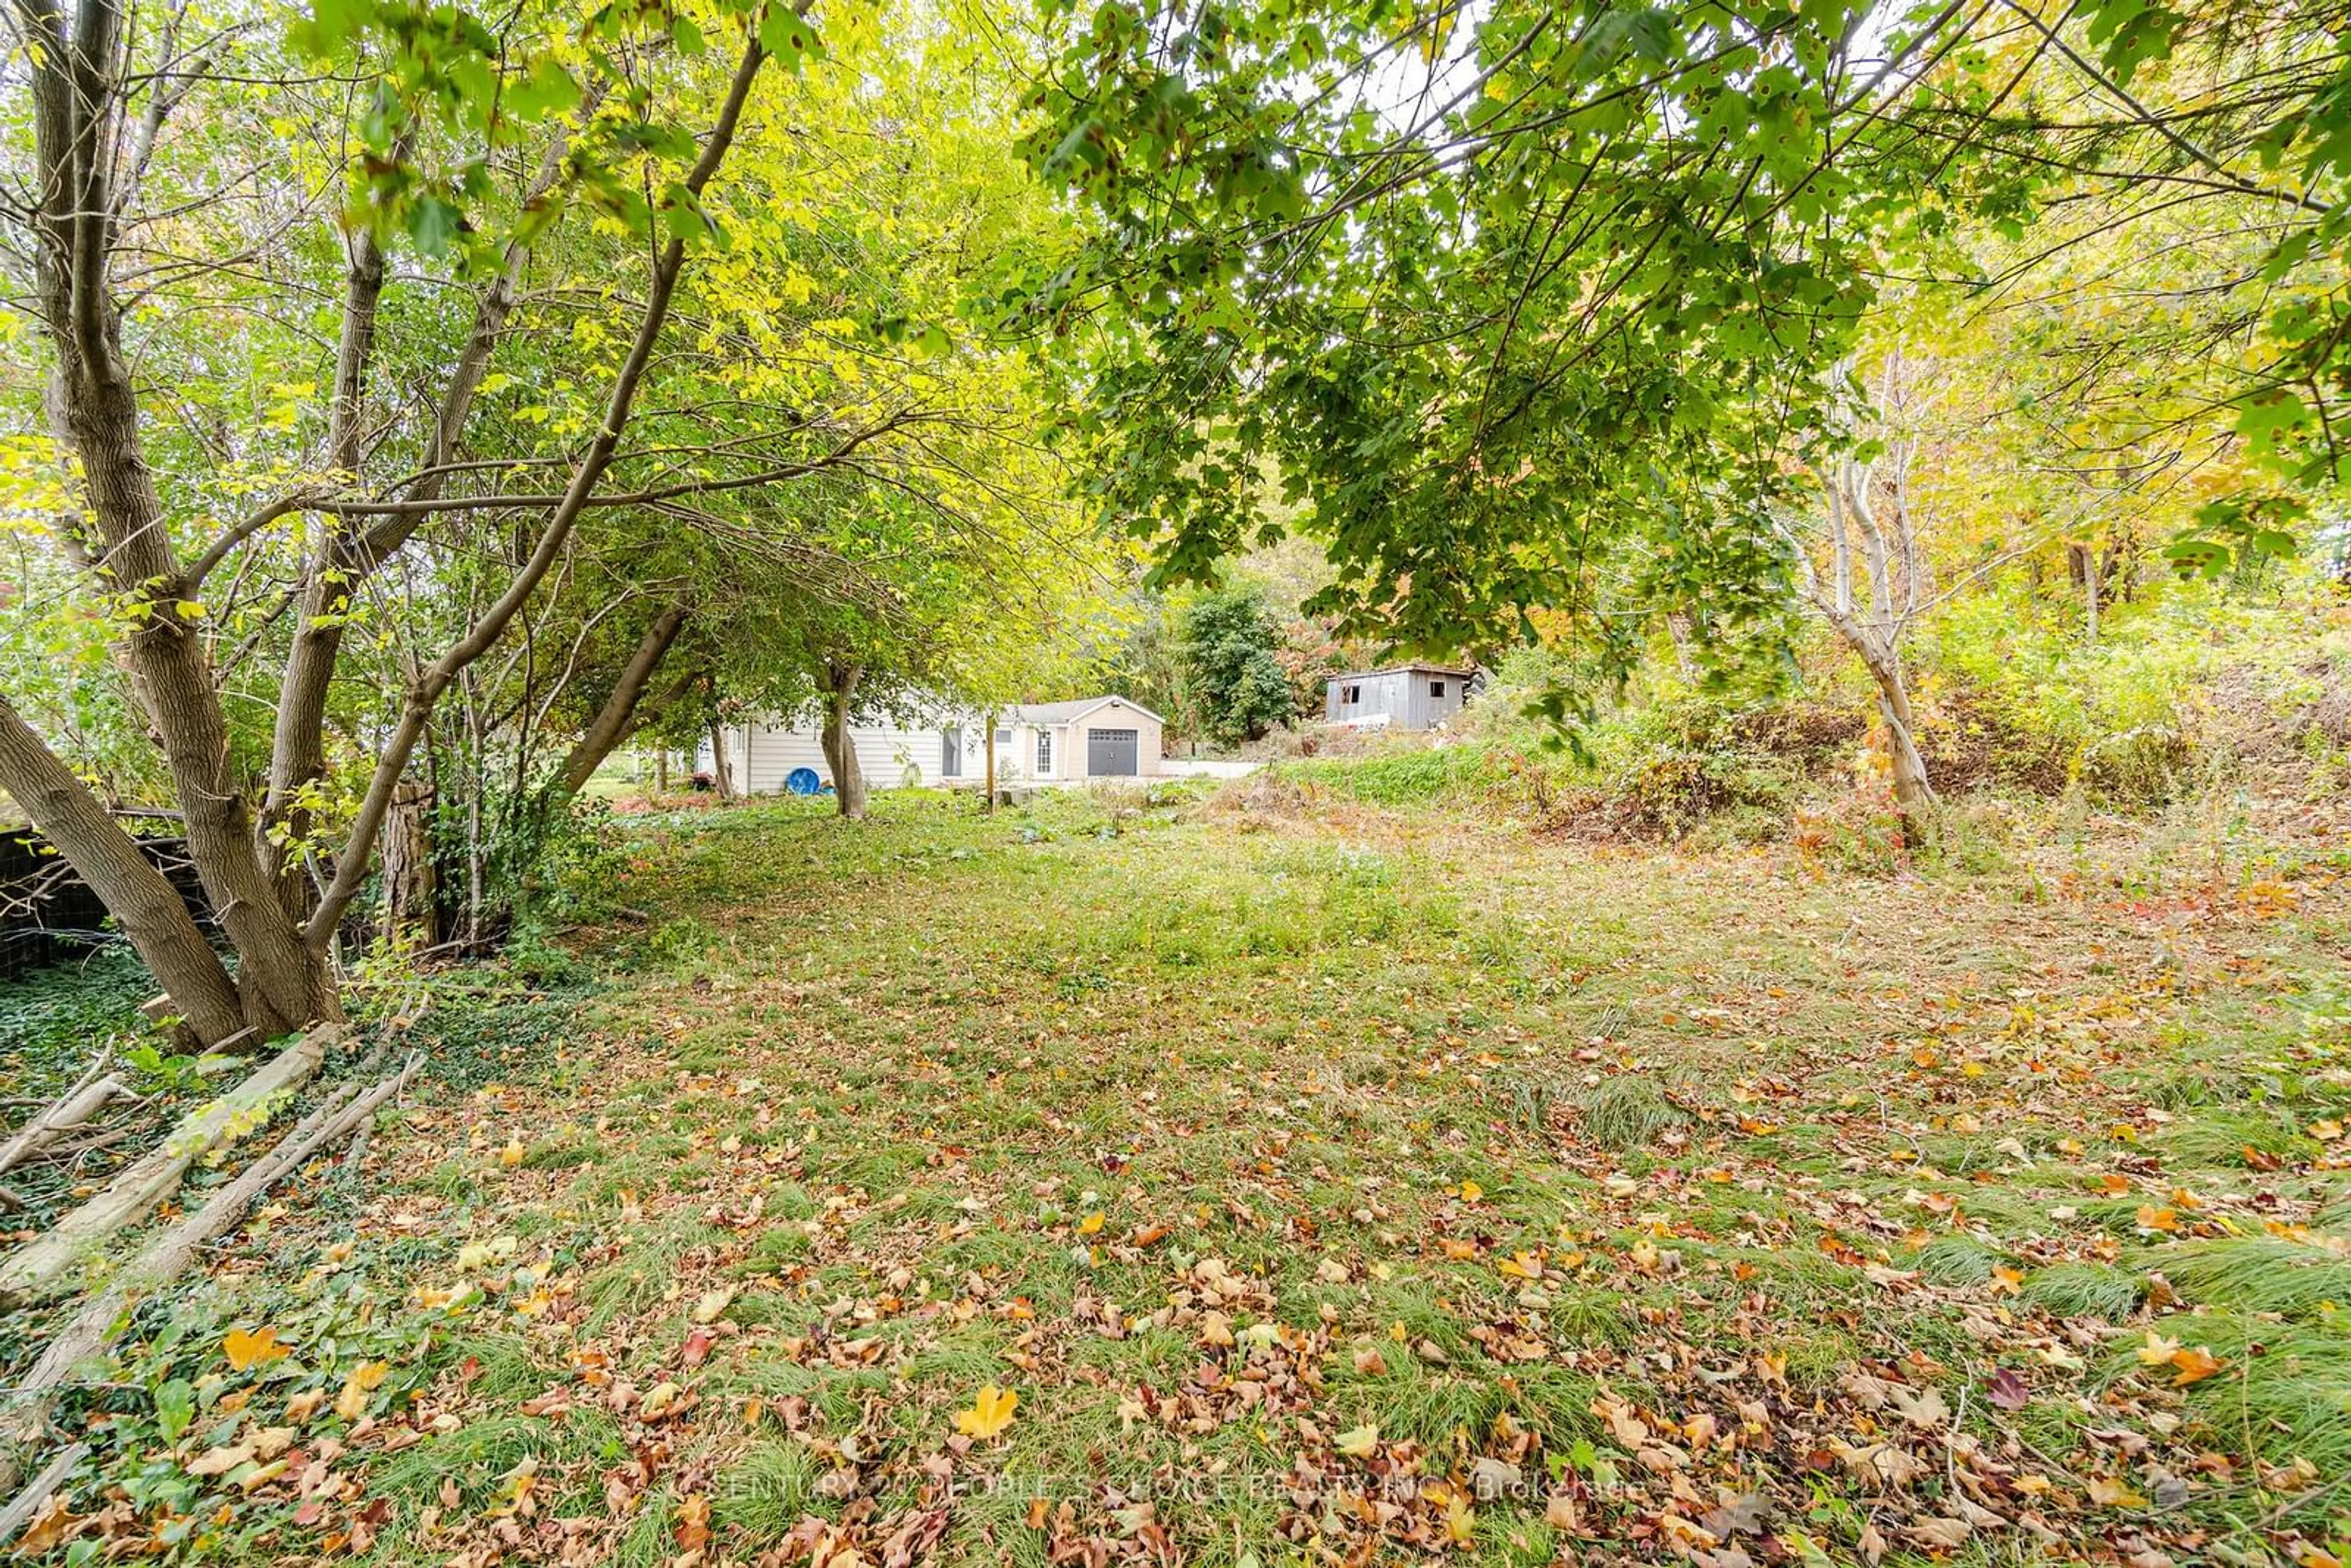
{"x": 1403, "y": 696}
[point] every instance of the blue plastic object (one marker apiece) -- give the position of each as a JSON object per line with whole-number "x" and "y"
{"x": 804, "y": 781}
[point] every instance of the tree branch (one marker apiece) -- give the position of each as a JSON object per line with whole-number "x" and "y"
{"x": 350, "y": 867}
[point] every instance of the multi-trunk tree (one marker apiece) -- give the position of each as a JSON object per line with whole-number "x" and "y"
{"x": 634, "y": 317}
{"x": 1857, "y": 549}
{"x": 438, "y": 164}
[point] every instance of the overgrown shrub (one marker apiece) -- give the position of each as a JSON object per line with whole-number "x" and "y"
{"x": 2179, "y": 688}
{"x": 1658, "y": 770}
{"x": 1665, "y": 769}
{"x": 524, "y": 867}
{"x": 1858, "y": 833}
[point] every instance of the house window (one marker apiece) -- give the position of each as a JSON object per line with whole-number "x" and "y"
{"x": 1003, "y": 737}
{"x": 1044, "y": 751}
{"x": 1436, "y": 688}
{"x": 1351, "y": 694}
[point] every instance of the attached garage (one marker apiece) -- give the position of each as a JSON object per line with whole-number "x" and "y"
{"x": 1091, "y": 738}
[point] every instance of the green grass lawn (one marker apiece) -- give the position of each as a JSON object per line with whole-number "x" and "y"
{"x": 1326, "y": 1184}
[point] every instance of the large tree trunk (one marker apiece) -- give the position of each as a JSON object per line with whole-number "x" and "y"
{"x": 93, "y": 408}
{"x": 2081, "y": 564}
{"x": 411, "y": 909}
{"x": 1874, "y": 633}
{"x": 297, "y": 752}
{"x": 146, "y": 905}
{"x": 280, "y": 986}
{"x": 624, "y": 711}
{"x": 841, "y": 681}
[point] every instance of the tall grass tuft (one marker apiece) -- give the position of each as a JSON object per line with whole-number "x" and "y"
{"x": 1627, "y": 1111}
{"x": 2259, "y": 1274}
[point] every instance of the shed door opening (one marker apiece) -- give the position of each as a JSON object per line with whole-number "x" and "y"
{"x": 1111, "y": 752}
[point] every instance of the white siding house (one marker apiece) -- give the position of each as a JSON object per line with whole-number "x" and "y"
{"x": 1040, "y": 743}
{"x": 761, "y": 757}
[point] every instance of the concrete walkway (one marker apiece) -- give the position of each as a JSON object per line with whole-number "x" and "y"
{"x": 1205, "y": 768}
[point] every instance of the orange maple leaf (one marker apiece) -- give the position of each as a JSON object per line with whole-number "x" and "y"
{"x": 246, "y": 1350}
{"x": 2193, "y": 1363}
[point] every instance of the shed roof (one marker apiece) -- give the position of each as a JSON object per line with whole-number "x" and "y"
{"x": 1463, "y": 671}
{"x": 1075, "y": 708}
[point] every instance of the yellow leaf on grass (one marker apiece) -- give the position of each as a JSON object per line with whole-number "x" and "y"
{"x": 1359, "y": 1444}
{"x": 511, "y": 1156}
{"x": 1471, "y": 1192}
{"x": 2193, "y": 1363}
{"x": 1092, "y": 1224}
{"x": 365, "y": 1379}
{"x": 1460, "y": 1524}
{"x": 221, "y": 1461}
{"x": 2109, "y": 1493}
{"x": 248, "y": 1351}
{"x": 2158, "y": 1351}
{"x": 990, "y": 1414}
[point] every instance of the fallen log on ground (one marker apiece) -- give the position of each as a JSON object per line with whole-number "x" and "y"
{"x": 19, "y": 1513}
{"x": 25, "y": 1409}
{"x": 89, "y": 1095}
{"x": 41, "y": 1264}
